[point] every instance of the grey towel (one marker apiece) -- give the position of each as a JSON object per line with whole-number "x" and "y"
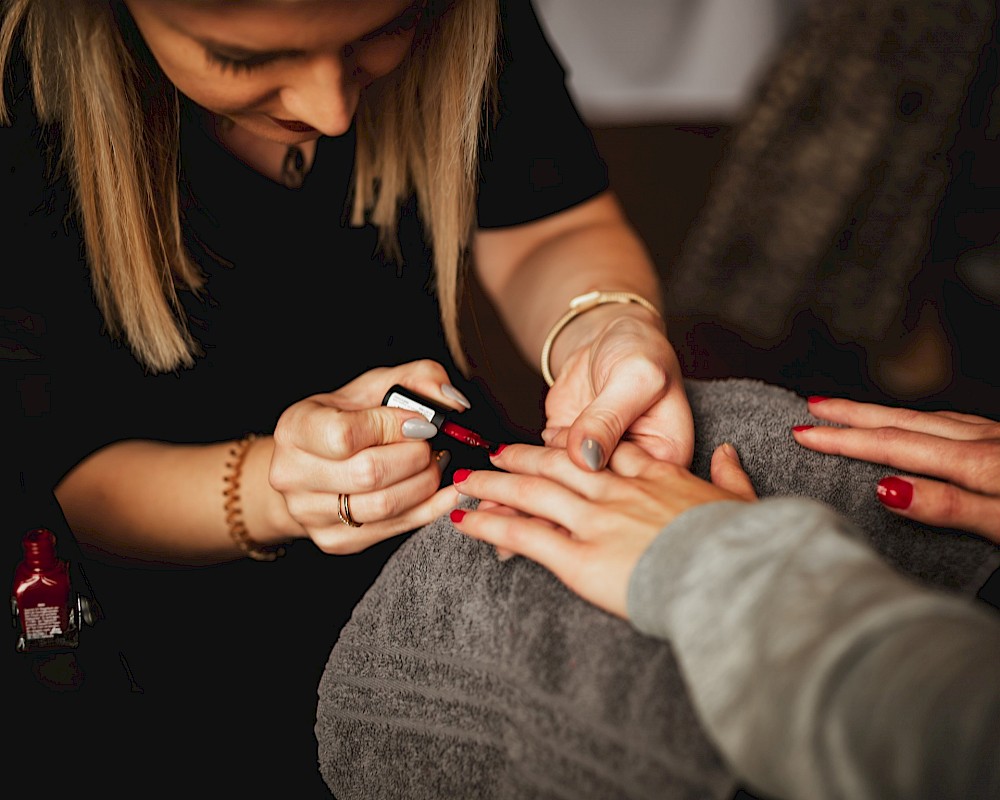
{"x": 459, "y": 676}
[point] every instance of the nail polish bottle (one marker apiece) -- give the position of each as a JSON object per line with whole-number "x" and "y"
{"x": 42, "y": 597}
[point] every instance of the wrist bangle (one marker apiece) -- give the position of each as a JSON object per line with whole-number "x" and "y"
{"x": 234, "y": 508}
{"x": 580, "y": 305}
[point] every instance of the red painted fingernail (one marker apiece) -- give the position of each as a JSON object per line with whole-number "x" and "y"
{"x": 817, "y": 398}
{"x": 461, "y": 475}
{"x": 497, "y": 450}
{"x": 895, "y": 492}
{"x": 800, "y": 428}
{"x": 457, "y": 515}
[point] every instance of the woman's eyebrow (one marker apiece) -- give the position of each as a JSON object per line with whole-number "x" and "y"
{"x": 238, "y": 51}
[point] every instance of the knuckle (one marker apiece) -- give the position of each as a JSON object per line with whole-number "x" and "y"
{"x": 889, "y": 437}
{"x": 608, "y": 422}
{"x": 339, "y": 437}
{"x": 382, "y": 505}
{"x": 279, "y": 476}
{"x": 949, "y": 504}
{"x": 366, "y": 473}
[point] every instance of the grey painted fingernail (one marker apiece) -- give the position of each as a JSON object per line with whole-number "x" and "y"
{"x": 443, "y": 458}
{"x": 418, "y": 429}
{"x": 452, "y": 393}
{"x": 592, "y": 453}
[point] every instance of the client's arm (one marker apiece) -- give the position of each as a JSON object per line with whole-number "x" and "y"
{"x": 819, "y": 671}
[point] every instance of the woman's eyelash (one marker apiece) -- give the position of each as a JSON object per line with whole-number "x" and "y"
{"x": 403, "y": 24}
{"x": 236, "y": 65}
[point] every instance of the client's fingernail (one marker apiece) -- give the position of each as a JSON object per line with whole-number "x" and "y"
{"x": 452, "y": 393}
{"x": 592, "y": 453}
{"x": 800, "y": 428}
{"x": 895, "y": 492}
{"x": 457, "y": 515}
{"x": 417, "y": 428}
{"x": 461, "y": 475}
{"x": 504, "y": 555}
{"x": 817, "y": 398}
{"x": 728, "y": 450}
{"x": 497, "y": 450}
{"x": 443, "y": 459}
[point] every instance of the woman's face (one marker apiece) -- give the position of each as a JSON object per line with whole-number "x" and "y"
{"x": 286, "y": 72}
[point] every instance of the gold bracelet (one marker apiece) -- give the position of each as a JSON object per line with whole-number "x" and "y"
{"x": 234, "y": 510}
{"x": 580, "y": 305}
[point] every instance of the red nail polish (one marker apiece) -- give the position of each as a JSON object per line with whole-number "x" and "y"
{"x": 817, "y": 398}
{"x": 461, "y": 475}
{"x": 895, "y": 492}
{"x": 457, "y": 515}
{"x": 800, "y": 428}
{"x": 497, "y": 450}
{"x": 42, "y": 596}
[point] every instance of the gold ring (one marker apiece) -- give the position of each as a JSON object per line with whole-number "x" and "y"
{"x": 344, "y": 511}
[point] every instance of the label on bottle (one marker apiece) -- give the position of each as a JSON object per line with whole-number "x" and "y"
{"x": 397, "y": 400}
{"x": 42, "y": 622}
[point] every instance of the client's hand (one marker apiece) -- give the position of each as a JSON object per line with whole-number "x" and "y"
{"x": 961, "y": 449}
{"x": 588, "y": 528}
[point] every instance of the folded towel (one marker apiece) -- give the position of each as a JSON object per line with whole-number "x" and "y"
{"x": 461, "y": 676}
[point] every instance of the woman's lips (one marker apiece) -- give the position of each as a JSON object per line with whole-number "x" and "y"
{"x": 293, "y": 125}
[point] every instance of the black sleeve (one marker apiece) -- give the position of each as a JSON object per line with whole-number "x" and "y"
{"x": 539, "y": 157}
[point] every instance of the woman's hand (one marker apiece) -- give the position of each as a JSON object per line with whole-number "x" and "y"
{"x": 588, "y": 528}
{"x": 623, "y": 383}
{"x": 346, "y": 443}
{"x": 960, "y": 449}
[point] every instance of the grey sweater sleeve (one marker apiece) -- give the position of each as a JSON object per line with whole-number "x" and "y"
{"x": 820, "y": 671}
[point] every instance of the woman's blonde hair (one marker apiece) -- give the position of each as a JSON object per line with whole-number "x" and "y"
{"x": 418, "y": 131}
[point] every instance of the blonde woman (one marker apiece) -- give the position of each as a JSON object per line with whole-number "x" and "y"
{"x": 246, "y": 221}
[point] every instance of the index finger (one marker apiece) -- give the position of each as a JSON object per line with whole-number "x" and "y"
{"x": 965, "y": 463}
{"x": 336, "y": 433}
{"x": 872, "y": 415}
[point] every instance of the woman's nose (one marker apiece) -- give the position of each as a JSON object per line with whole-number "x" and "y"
{"x": 323, "y": 93}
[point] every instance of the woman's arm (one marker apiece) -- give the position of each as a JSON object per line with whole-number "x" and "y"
{"x": 614, "y": 369}
{"x": 165, "y": 502}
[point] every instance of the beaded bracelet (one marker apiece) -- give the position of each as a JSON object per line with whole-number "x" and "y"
{"x": 234, "y": 510}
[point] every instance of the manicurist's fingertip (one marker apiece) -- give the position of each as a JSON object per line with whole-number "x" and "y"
{"x": 452, "y": 393}
{"x": 593, "y": 454}
{"x": 417, "y": 428}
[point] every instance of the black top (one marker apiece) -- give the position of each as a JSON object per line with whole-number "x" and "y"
{"x": 296, "y": 302}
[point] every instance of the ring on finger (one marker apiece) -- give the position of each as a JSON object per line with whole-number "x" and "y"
{"x": 344, "y": 511}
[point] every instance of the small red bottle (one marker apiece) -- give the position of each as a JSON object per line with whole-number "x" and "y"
{"x": 42, "y": 597}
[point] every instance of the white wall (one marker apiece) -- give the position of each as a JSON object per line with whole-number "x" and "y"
{"x": 648, "y": 61}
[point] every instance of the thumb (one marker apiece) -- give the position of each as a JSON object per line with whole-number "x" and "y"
{"x": 727, "y": 472}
